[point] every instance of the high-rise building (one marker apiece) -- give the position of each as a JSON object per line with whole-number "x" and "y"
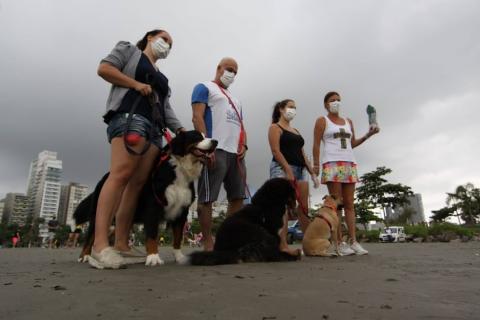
{"x": 2, "y": 206}
{"x": 71, "y": 195}
{"x": 15, "y": 209}
{"x": 44, "y": 184}
{"x": 415, "y": 205}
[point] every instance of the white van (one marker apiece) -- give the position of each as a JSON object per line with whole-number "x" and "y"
{"x": 392, "y": 234}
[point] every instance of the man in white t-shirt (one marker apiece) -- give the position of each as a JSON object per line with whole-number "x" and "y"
{"x": 218, "y": 115}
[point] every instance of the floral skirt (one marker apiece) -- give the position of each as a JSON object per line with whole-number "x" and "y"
{"x": 339, "y": 171}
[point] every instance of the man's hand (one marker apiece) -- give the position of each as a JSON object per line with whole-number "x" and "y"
{"x": 211, "y": 161}
{"x": 242, "y": 152}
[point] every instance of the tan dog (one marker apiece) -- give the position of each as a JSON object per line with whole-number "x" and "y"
{"x": 322, "y": 229}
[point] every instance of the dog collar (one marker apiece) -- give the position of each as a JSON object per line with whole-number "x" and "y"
{"x": 330, "y": 207}
{"x": 326, "y": 220}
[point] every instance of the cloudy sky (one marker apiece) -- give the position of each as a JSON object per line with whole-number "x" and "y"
{"x": 417, "y": 62}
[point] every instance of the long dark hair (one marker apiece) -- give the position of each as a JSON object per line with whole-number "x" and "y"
{"x": 276, "y": 109}
{"x": 142, "y": 44}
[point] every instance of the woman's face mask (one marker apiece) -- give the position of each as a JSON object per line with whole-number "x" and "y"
{"x": 160, "y": 48}
{"x": 334, "y": 106}
{"x": 290, "y": 113}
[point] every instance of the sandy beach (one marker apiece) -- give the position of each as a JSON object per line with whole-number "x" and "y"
{"x": 395, "y": 281}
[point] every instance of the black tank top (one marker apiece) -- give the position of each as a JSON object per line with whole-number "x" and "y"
{"x": 291, "y": 145}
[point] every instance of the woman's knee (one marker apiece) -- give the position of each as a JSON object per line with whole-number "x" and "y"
{"x": 121, "y": 176}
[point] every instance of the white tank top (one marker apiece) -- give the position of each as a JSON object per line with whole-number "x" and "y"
{"x": 337, "y": 143}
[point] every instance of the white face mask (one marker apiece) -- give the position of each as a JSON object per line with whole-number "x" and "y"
{"x": 160, "y": 48}
{"x": 334, "y": 106}
{"x": 227, "y": 78}
{"x": 290, "y": 113}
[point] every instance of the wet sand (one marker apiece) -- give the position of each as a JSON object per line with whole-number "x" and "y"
{"x": 395, "y": 281}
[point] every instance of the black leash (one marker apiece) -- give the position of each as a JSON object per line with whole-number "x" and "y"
{"x": 158, "y": 119}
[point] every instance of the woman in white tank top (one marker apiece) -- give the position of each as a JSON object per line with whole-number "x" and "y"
{"x": 339, "y": 168}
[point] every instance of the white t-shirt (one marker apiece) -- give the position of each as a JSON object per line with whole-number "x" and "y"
{"x": 337, "y": 142}
{"x": 220, "y": 117}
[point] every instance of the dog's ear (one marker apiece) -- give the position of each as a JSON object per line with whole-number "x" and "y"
{"x": 178, "y": 144}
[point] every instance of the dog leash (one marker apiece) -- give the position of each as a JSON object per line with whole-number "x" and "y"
{"x": 241, "y": 142}
{"x": 154, "y": 102}
{"x": 297, "y": 195}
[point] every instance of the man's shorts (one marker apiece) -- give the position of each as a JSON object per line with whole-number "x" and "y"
{"x": 140, "y": 124}
{"x": 226, "y": 171}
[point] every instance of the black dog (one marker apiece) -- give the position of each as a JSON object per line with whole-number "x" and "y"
{"x": 252, "y": 233}
{"x": 166, "y": 196}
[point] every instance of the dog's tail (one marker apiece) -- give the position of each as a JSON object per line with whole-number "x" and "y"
{"x": 88, "y": 207}
{"x": 82, "y": 212}
{"x": 205, "y": 258}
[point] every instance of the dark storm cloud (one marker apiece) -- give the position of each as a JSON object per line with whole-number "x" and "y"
{"x": 416, "y": 61}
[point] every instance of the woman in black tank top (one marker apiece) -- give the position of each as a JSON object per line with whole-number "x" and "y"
{"x": 289, "y": 160}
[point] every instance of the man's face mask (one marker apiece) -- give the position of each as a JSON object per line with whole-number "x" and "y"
{"x": 160, "y": 48}
{"x": 227, "y": 78}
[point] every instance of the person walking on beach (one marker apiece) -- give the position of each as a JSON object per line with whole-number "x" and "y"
{"x": 137, "y": 84}
{"x": 289, "y": 160}
{"x": 219, "y": 115}
{"x": 339, "y": 168}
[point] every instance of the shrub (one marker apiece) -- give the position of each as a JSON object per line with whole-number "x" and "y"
{"x": 442, "y": 228}
{"x": 370, "y": 235}
{"x": 417, "y": 231}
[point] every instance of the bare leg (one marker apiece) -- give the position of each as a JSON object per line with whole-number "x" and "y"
{"x": 348, "y": 195}
{"x": 205, "y": 219}
{"x": 234, "y": 206}
{"x": 128, "y": 204}
{"x": 122, "y": 166}
{"x": 303, "y": 217}
{"x": 335, "y": 189}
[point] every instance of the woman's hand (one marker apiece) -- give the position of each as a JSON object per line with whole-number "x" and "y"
{"x": 373, "y": 130}
{"x": 143, "y": 88}
{"x": 289, "y": 174}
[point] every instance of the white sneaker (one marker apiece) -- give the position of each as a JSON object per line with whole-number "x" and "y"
{"x": 357, "y": 248}
{"x": 108, "y": 258}
{"x": 345, "y": 250}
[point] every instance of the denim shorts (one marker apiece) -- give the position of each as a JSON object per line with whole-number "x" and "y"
{"x": 140, "y": 124}
{"x": 276, "y": 171}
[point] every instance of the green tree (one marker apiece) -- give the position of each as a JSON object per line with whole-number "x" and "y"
{"x": 364, "y": 213}
{"x": 62, "y": 233}
{"x": 378, "y": 193}
{"x": 442, "y": 214}
{"x": 466, "y": 202}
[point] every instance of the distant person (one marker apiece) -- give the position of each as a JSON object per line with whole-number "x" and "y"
{"x": 15, "y": 239}
{"x": 339, "y": 167}
{"x": 136, "y": 83}
{"x": 219, "y": 115}
{"x": 74, "y": 236}
{"x": 52, "y": 229}
{"x": 289, "y": 160}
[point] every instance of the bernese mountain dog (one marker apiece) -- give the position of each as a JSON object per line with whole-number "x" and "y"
{"x": 166, "y": 196}
{"x": 252, "y": 233}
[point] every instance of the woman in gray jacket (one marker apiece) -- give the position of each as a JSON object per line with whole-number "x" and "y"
{"x": 135, "y": 133}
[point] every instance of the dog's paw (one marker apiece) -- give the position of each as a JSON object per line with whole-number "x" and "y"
{"x": 83, "y": 259}
{"x": 154, "y": 260}
{"x": 180, "y": 258}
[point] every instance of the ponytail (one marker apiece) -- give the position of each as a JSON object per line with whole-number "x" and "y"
{"x": 276, "y": 109}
